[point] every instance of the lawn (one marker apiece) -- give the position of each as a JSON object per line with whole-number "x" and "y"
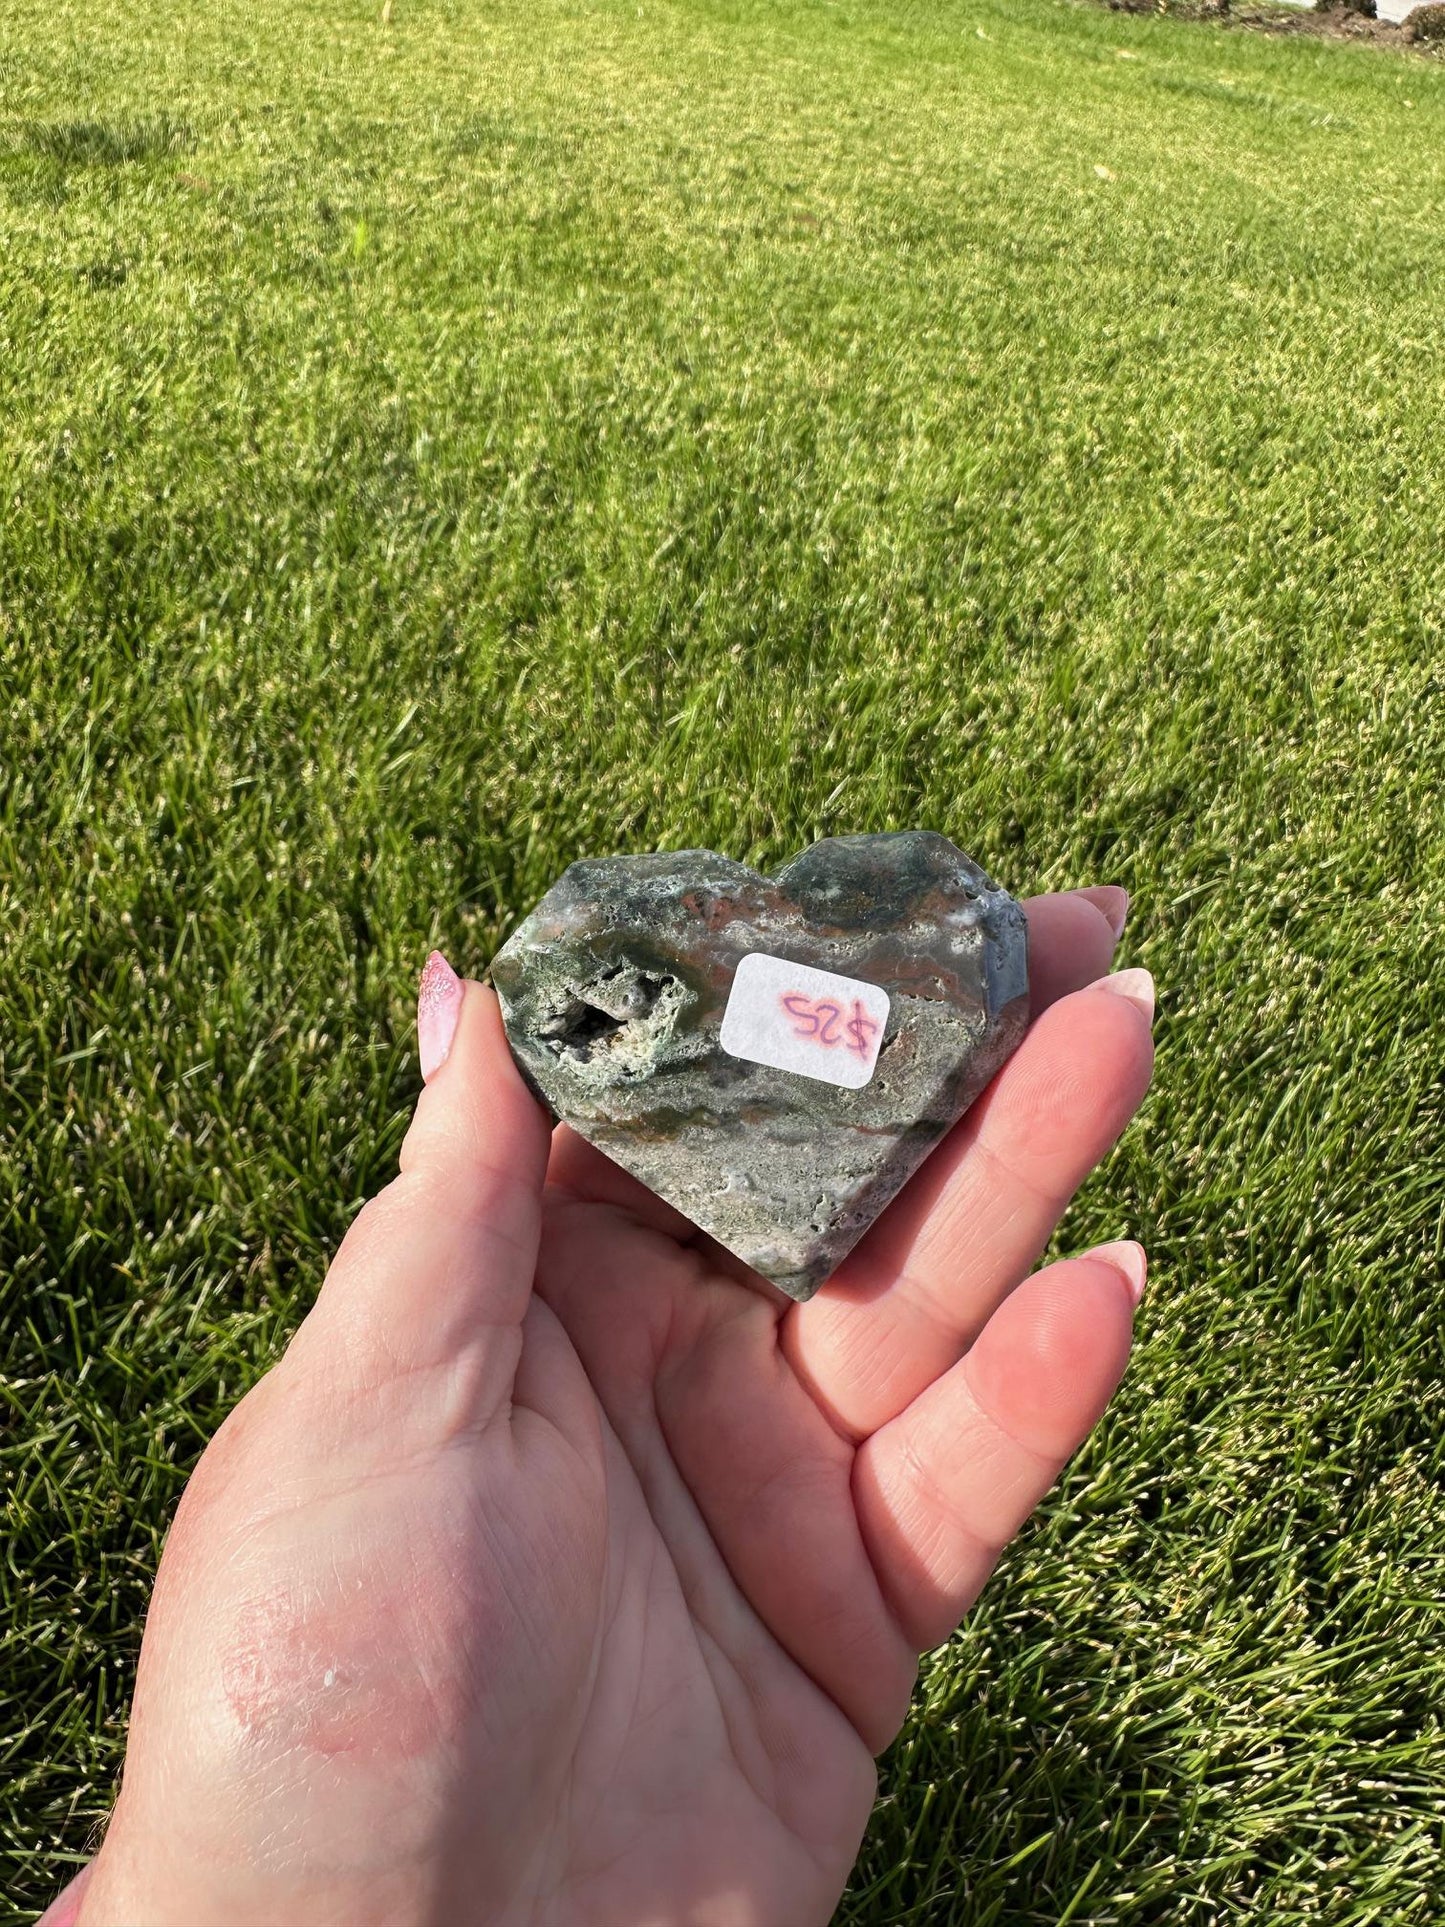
{"x": 435, "y": 448}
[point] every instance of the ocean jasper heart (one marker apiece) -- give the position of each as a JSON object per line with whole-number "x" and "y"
{"x": 773, "y": 1055}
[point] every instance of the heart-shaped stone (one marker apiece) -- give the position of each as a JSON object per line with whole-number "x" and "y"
{"x": 773, "y": 1055}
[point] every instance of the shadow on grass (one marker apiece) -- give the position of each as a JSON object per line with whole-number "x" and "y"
{"x": 99, "y": 143}
{"x": 491, "y": 134}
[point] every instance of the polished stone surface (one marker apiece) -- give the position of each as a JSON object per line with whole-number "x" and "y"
{"x": 738, "y": 1098}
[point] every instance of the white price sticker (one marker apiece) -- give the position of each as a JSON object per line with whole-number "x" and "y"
{"x": 799, "y": 1019}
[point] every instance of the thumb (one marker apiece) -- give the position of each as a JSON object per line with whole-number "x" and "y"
{"x": 439, "y": 1266}
{"x": 64, "y": 1911}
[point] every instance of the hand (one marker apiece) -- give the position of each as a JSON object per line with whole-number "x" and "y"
{"x": 562, "y": 1571}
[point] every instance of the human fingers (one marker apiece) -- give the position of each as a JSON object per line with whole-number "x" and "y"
{"x": 922, "y": 1284}
{"x": 942, "y": 1489}
{"x": 441, "y": 1263}
{"x": 1072, "y": 935}
{"x": 64, "y": 1910}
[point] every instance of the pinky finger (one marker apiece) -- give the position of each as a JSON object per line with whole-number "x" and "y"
{"x": 941, "y": 1489}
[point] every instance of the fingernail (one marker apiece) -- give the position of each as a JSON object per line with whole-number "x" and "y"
{"x": 1129, "y": 1260}
{"x": 1137, "y": 985}
{"x": 1111, "y": 900}
{"x": 438, "y": 1006}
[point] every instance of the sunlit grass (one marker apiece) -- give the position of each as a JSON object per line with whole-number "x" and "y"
{"x": 434, "y": 450}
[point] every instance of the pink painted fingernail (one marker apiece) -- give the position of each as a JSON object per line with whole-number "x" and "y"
{"x": 438, "y": 1006}
{"x": 1111, "y": 900}
{"x": 1135, "y": 985}
{"x": 1129, "y": 1260}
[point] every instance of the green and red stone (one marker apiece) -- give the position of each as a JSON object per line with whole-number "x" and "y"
{"x": 615, "y": 989}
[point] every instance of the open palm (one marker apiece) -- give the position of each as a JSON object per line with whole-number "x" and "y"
{"x": 563, "y": 1572}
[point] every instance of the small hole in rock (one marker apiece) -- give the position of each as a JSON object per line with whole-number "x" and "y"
{"x": 589, "y": 1024}
{"x": 620, "y": 999}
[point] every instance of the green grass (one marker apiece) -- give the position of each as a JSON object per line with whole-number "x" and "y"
{"x": 433, "y": 451}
